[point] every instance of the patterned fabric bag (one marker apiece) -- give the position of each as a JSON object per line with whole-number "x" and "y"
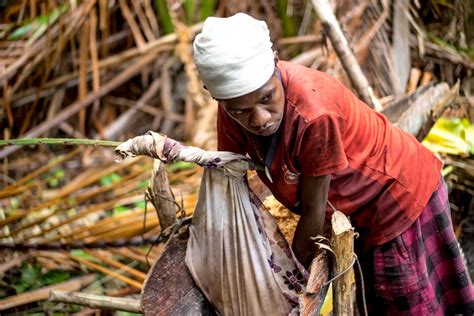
{"x": 236, "y": 254}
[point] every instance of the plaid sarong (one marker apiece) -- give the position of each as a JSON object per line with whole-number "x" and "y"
{"x": 420, "y": 272}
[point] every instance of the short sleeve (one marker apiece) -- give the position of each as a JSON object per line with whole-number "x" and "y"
{"x": 229, "y": 137}
{"x": 321, "y": 150}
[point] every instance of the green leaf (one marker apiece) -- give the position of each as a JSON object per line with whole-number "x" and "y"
{"x": 55, "y": 177}
{"x": 141, "y": 205}
{"x": 80, "y": 253}
{"x": 447, "y": 170}
{"x": 161, "y": 7}
{"x": 287, "y": 21}
{"x": 53, "y": 182}
{"x": 120, "y": 209}
{"x": 143, "y": 184}
{"x": 207, "y": 8}
{"x": 20, "y": 32}
{"x": 59, "y": 173}
{"x": 29, "y": 278}
{"x": 20, "y": 287}
{"x": 14, "y": 203}
{"x": 122, "y": 313}
{"x": 30, "y": 272}
{"x": 450, "y": 136}
{"x": 110, "y": 179}
{"x": 189, "y": 9}
{"x": 54, "y": 276}
{"x": 37, "y": 26}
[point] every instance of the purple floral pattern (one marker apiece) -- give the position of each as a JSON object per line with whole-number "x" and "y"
{"x": 294, "y": 280}
{"x": 273, "y": 264}
{"x": 289, "y": 273}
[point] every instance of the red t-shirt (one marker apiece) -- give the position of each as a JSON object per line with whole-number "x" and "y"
{"x": 380, "y": 176}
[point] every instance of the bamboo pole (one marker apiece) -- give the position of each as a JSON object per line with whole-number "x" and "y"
{"x": 58, "y": 141}
{"x": 348, "y": 60}
{"x": 343, "y": 246}
{"x": 97, "y": 301}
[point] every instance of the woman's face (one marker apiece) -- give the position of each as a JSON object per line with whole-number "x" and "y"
{"x": 260, "y": 112}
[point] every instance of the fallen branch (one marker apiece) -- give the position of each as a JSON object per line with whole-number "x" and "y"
{"x": 341, "y": 46}
{"x": 97, "y": 301}
{"x": 420, "y": 111}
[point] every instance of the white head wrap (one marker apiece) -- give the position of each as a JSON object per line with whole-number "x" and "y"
{"x": 234, "y": 55}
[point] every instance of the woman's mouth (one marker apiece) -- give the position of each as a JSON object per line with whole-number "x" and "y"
{"x": 269, "y": 129}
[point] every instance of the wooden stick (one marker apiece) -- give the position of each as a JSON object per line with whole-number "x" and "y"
{"x": 42, "y": 293}
{"x": 160, "y": 195}
{"x": 343, "y": 246}
{"x": 83, "y": 63}
{"x": 94, "y": 64}
{"x": 341, "y": 46}
{"x": 97, "y": 301}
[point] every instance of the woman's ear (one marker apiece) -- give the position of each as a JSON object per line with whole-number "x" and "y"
{"x": 275, "y": 54}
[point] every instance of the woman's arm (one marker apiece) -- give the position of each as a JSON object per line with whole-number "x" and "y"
{"x": 314, "y": 195}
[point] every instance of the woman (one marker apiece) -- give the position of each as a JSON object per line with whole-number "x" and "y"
{"x": 322, "y": 148}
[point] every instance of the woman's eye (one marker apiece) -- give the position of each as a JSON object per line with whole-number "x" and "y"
{"x": 236, "y": 112}
{"x": 266, "y": 98}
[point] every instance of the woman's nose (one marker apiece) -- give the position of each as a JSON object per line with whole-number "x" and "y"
{"x": 259, "y": 117}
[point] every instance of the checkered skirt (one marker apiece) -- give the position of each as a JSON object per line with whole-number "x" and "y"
{"x": 420, "y": 272}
